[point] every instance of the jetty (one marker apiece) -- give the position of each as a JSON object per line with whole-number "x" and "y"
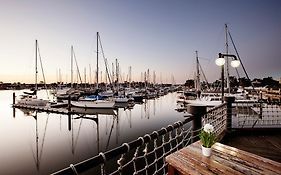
{"x": 47, "y": 109}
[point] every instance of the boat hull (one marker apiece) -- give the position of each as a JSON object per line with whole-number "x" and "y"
{"x": 101, "y": 104}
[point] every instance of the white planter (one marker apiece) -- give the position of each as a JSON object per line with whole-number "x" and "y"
{"x": 206, "y": 151}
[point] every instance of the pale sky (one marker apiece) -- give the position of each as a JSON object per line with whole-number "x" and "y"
{"x": 158, "y": 35}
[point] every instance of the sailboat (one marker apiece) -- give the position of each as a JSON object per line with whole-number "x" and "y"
{"x": 64, "y": 92}
{"x": 207, "y": 99}
{"x": 97, "y": 103}
{"x": 215, "y": 99}
{"x": 31, "y": 98}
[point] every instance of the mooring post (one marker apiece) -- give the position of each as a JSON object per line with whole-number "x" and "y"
{"x": 69, "y": 122}
{"x": 69, "y": 104}
{"x": 229, "y": 101}
{"x": 197, "y": 111}
{"x": 14, "y": 98}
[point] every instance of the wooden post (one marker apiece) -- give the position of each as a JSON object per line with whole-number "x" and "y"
{"x": 69, "y": 104}
{"x": 197, "y": 111}
{"x": 14, "y": 102}
{"x": 14, "y": 98}
{"x": 229, "y": 101}
{"x": 69, "y": 122}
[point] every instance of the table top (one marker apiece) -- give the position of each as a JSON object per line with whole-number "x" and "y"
{"x": 224, "y": 160}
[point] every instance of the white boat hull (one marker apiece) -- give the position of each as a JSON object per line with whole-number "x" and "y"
{"x": 93, "y": 104}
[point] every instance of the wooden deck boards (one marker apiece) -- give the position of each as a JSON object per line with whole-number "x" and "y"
{"x": 224, "y": 160}
{"x": 264, "y": 145}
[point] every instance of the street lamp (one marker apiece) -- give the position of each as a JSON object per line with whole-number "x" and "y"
{"x": 220, "y": 61}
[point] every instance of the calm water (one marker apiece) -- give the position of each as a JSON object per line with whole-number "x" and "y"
{"x": 41, "y": 143}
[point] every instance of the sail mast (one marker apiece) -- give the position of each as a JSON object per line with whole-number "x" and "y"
{"x": 97, "y": 86}
{"x": 71, "y": 73}
{"x": 227, "y": 61}
{"x": 36, "y": 71}
{"x": 198, "y": 88}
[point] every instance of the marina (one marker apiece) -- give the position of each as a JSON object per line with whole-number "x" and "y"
{"x": 140, "y": 87}
{"x": 43, "y": 142}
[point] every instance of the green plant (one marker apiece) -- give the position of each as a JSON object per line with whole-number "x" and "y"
{"x": 207, "y": 136}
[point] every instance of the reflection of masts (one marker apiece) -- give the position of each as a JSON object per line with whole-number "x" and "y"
{"x": 117, "y": 126}
{"x": 148, "y": 110}
{"x": 98, "y": 131}
{"x": 74, "y": 142}
{"x": 154, "y": 108}
{"x": 145, "y": 108}
{"x": 38, "y": 157}
{"x": 130, "y": 117}
{"x": 141, "y": 109}
{"x": 112, "y": 126}
{"x": 37, "y": 138}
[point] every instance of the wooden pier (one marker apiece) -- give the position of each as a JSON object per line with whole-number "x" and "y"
{"x": 47, "y": 109}
{"x": 224, "y": 160}
{"x": 265, "y": 142}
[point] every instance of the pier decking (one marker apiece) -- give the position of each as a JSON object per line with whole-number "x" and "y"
{"x": 45, "y": 109}
{"x": 262, "y": 143}
{"x": 224, "y": 160}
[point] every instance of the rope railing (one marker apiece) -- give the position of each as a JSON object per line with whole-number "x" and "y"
{"x": 217, "y": 117}
{"x": 145, "y": 155}
{"x": 256, "y": 115}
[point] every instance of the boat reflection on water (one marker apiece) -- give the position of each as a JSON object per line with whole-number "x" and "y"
{"x": 94, "y": 111}
{"x": 27, "y": 112}
{"x": 76, "y": 124}
{"x": 37, "y": 152}
{"x": 52, "y": 141}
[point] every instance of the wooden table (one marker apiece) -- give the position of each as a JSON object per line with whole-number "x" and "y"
{"x": 224, "y": 160}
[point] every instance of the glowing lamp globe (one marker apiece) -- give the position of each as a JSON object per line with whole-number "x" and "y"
{"x": 220, "y": 61}
{"x": 235, "y": 63}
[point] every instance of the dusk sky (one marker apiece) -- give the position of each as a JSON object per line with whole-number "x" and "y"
{"x": 158, "y": 35}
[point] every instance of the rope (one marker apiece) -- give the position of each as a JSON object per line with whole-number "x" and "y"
{"x": 127, "y": 145}
{"x": 73, "y": 169}
{"x": 102, "y": 165}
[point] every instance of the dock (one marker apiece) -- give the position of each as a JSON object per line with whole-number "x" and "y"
{"x": 47, "y": 109}
{"x": 224, "y": 160}
{"x": 263, "y": 142}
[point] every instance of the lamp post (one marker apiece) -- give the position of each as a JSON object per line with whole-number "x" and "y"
{"x": 220, "y": 61}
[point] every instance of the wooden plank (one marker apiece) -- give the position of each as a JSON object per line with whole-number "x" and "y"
{"x": 211, "y": 163}
{"x": 250, "y": 159}
{"x": 224, "y": 160}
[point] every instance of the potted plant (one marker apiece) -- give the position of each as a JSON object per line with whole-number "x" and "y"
{"x": 207, "y": 138}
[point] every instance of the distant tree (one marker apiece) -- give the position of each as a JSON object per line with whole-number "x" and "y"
{"x": 189, "y": 83}
{"x": 204, "y": 85}
{"x": 269, "y": 82}
{"x": 244, "y": 82}
{"x": 233, "y": 81}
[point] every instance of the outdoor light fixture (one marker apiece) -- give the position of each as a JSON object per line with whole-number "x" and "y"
{"x": 220, "y": 61}
{"x": 235, "y": 63}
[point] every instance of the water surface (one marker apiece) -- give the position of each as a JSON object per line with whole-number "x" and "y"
{"x": 42, "y": 143}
